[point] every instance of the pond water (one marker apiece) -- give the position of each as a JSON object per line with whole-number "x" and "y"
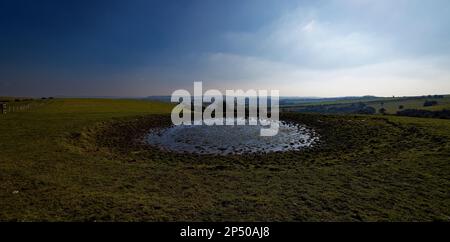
{"x": 234, "y": 139}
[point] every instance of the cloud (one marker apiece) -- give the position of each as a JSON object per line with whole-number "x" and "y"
{"x": 341, "y": 48}
{"x": 308, "y": 51}
{"x": 398, "y": 77}
{"x": 309, "y": 27}
{"x": 303, "y": 39}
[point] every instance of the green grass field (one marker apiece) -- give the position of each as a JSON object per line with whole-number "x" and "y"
{"x": 391, "y": 105}
{"x": 79, "y": 160}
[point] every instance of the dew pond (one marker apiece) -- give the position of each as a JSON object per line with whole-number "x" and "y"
{"x": 231, "y": 139}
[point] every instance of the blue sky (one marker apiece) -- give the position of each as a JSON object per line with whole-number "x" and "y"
{"x": 302, "y": 48}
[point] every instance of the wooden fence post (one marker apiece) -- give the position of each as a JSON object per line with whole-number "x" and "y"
{"x": 3, "y": 108}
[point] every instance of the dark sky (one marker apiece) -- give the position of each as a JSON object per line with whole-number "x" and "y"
{"x": 143, "y": 47}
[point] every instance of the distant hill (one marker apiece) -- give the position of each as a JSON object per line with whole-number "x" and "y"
{"x": 292, "y": 100}
{"x": 159, "y": 98}
{"x": 387, "y": 105}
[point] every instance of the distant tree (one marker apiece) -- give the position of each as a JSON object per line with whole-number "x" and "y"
{"x": 442, "y": 114}
{"x": 367, "y": 110}
{"x": 400, "y": 107}
{"x": 430, "y": 103}
{"x": 382, "y": 111}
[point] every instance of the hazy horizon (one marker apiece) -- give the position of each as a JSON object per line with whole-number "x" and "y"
{"x": 298, "y": 97}
{"x": 138, "y": 48}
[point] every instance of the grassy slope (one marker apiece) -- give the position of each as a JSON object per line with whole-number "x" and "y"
{"x": 390, "y": 104}
{"x": 393, "y": 106}
{"x": 369, "y": 169}
{"x": 339, "y": 101}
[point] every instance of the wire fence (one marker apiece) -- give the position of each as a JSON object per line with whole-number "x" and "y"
{"x": 15, "y": 107}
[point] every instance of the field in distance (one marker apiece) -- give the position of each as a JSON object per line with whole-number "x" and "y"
{"x": 391, "y": 105}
